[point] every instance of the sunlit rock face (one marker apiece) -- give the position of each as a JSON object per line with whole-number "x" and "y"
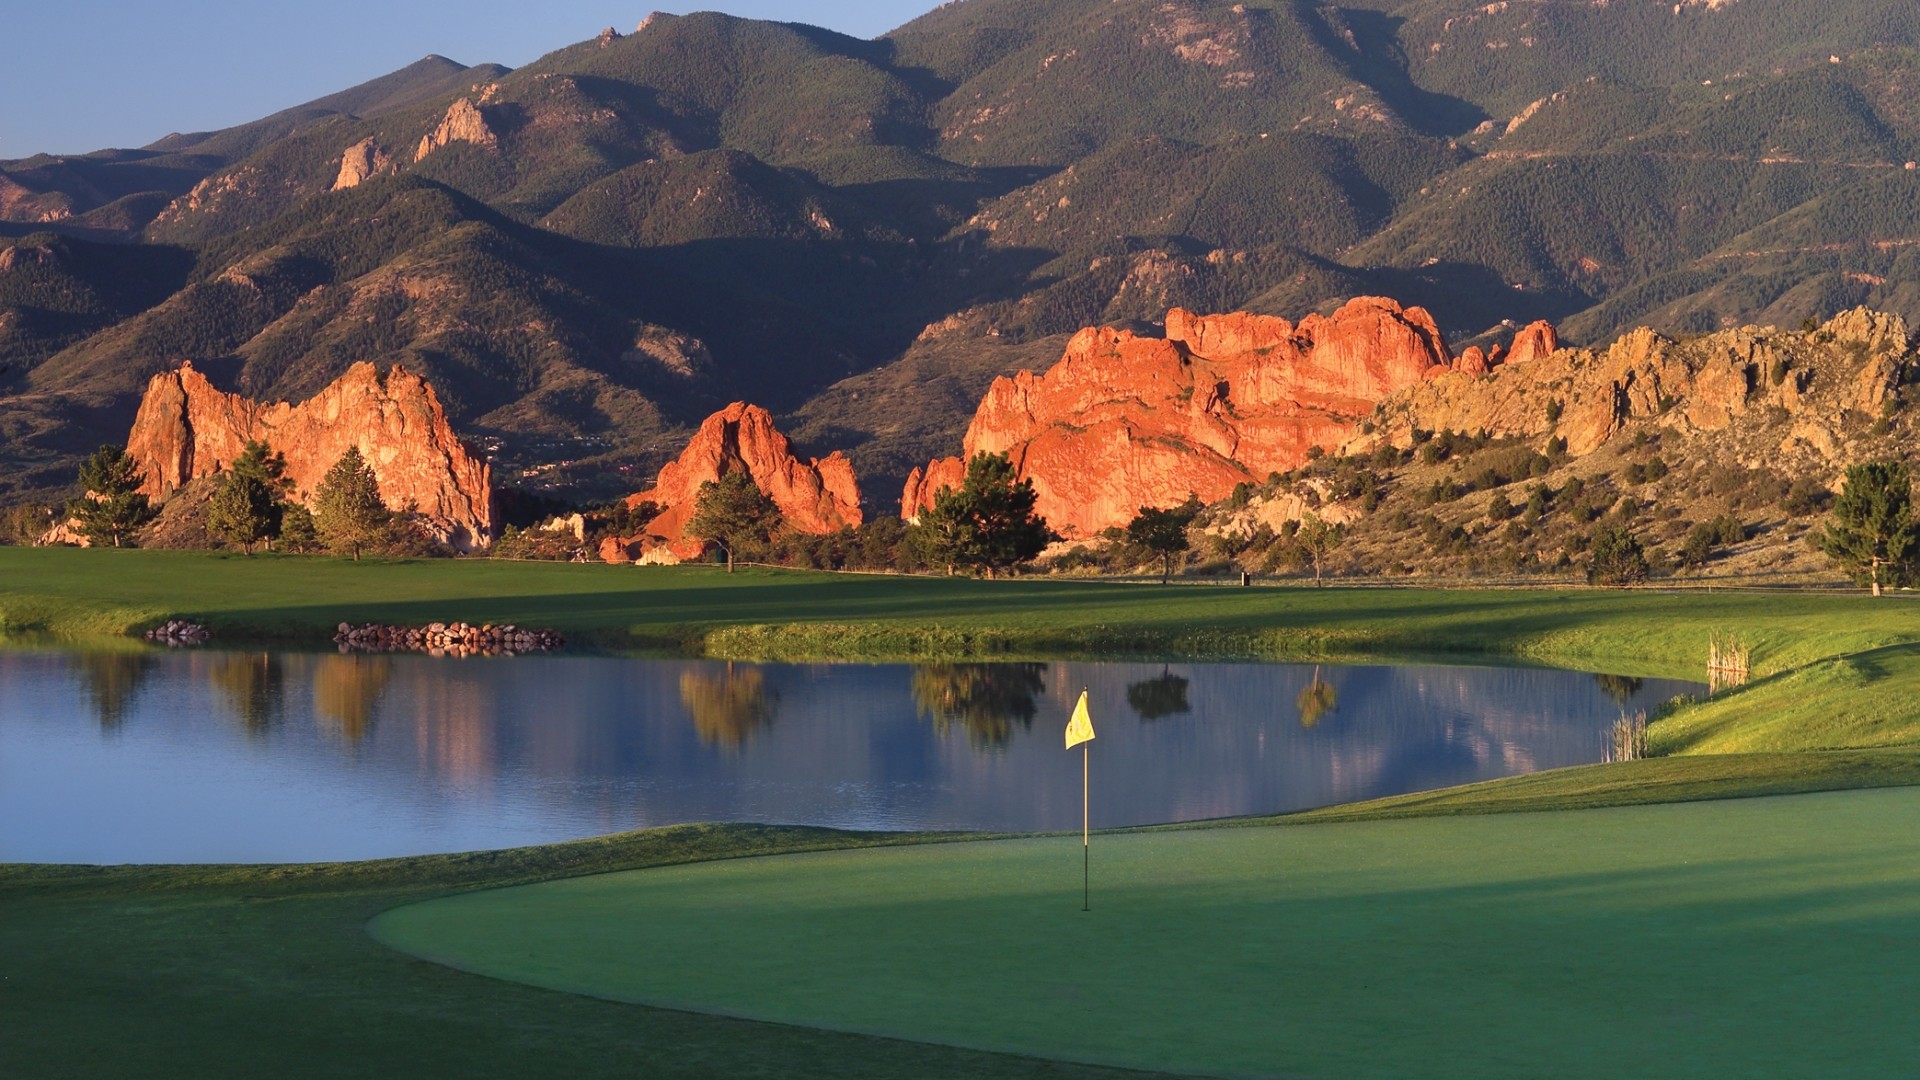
{"x": 186, "y": 428}
{"x": 817, "y": 496}
{"x": 1124, "y": 421}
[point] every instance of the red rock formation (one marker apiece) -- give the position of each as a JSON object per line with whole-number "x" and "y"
{"x": 818, "y": 497}
{"x": 186, "y": 429}
{"x": 464, "y": 122}
{"x": 1535, "y": 341}
{"x": 1123, "y": 422}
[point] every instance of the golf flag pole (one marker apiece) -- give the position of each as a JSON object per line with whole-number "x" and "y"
{"x": 1080, "y": 733}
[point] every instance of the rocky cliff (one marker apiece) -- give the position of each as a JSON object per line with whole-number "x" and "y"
{"x": 186, "y": 428}
{"x": 819, "y": 496}
{"x": 1802, "y": 383}
{"x": 1123, "y": 421}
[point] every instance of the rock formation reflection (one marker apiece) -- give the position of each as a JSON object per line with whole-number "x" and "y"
{"x": 347, "y": 691}
{"x": 254, "y": 686}
{"x": 111, "y": 681}
{"x": 728, "y": 707}
{"x": 988, "y": 700}
{"x": 1153, "y": 699}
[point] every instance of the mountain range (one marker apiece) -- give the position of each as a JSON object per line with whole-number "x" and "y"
{"x": 588, "y": 254}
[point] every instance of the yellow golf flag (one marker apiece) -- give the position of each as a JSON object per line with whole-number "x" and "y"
{"x": 1080, "y": 728}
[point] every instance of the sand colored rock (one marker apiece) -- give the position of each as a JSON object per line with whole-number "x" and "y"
{"x": 820, "y": 496}
{"x": 186, "y": 429}
{"x": 1123, "y": 422}
{"x": 1703, "y": 385}
{"x": 463, "y": 123}
{"x": 361, "y": 161}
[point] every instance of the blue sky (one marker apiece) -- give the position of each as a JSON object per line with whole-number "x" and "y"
{"x": 85, "y": 74}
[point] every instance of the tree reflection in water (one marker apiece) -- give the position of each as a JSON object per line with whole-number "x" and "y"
{"x": 347, "y": 690}
{"x": 1619, "y": 688}
{"x": 112, "y": 681}
{"x": 986, "y": 699}
{"x": 728, "y": 707}
{"x": 1165, "y": 696}
{"x": 254, "y": 685}
{"x": 1316, "y": 701}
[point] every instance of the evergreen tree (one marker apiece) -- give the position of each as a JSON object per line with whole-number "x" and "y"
{"x": 734, "y": 514}
{"x": 987, "y": 524}
{"x": 1872, "y": 533}
{"x": 111, "y": 508}
{"x": 1618, "y": 558}
{"x": 347, "y": 508}
{"x": 249, "y": 506}
{"x": 1164, "y": 532}
{"x": 244, "y": 511}
{"x": 298, "y": 533}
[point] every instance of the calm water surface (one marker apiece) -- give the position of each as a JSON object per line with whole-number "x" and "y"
{"x": 266, "y": 757}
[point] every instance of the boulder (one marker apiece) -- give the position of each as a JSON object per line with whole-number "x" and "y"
{"x": 1124, "y": 421}
{"x": 186, "y": 428}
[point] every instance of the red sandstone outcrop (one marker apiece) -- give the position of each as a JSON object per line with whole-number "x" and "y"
{"x": 361, "y": 161}
{"x": 187, "y": 429}
{"x": 818, "y": 497}
{"x": 1704, "y": 385}
{"x": 463, "y": 123}
{"x": 1123, "y": 422}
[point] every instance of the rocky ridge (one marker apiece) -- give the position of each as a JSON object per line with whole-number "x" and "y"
{"x": 818, "y": 496}
{"x": 1124, "y": 421}
{"x": 186, "y": 428}
{"x": 1703, "y": 386}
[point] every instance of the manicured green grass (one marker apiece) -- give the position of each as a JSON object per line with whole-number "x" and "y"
{"x": 1756, "y": 938}
{"x": 790, "y": 615}
{"x": 1860, "y": 700}
{"x": 264, "y": 971}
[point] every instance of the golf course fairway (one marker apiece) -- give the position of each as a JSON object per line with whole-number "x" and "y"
{"x": 1753, "y": 938}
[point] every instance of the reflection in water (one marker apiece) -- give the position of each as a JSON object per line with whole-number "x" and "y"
{"x": 1316, "y": 701}
{"x": 254, "y": 686}
{"x": 1619, "y": 688}
{"x": 729, "y": 707}
{"x": 1153, "y": 699}
{"x": 111, "y": 681}
{"x": 347, "y": 689}
{"x": 367, "y": 756}
{"x": 986, "y": 699}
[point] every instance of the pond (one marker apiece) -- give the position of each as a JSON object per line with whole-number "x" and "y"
{"x": 207, "y": 756}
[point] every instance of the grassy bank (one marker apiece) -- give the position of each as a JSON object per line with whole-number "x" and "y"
{"x": 769, "y": 614}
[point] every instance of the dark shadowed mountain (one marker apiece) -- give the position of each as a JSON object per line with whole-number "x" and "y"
{"x": 590, "y": 252}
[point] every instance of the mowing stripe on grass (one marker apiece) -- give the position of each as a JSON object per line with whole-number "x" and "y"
{"x": 1766, "y": 937}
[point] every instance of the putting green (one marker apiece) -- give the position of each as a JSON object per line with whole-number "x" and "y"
{"x": 1755, "y": 938}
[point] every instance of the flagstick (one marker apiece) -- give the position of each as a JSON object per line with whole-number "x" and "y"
{"x": 1086, "y": 839}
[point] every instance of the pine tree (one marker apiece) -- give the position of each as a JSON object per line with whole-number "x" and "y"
{"x": 1873, "y": 534}
{"x": 347, "y": 508}
{"x": 112, "y": 507}
{"x": 244, "y": 511}
{"x": 734, "y": 514}
{"x": 249, "y": 505}
{"x": 988, "y": 523}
